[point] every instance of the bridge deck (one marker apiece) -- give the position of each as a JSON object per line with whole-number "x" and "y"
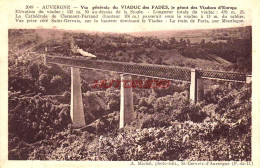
{"x": 147, "y": 70}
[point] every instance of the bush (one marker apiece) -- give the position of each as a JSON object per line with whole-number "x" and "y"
{"x": 191, "y": 112}
{"x": 34, "y": 71}
{"x": 57, "y": 83}
{"x": 44, "y": 81}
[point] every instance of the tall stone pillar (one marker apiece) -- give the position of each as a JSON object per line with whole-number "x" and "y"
{"x": 126, "y": 101}
{"x": 193, "y": 86}
{"x": 196, "y": 87}
{"x": 76, "y": 105}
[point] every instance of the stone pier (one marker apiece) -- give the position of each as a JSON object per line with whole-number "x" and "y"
{"x": 76, "y": 105}
{"x": 126, "y": 101}
{"x": 196, "y": 87}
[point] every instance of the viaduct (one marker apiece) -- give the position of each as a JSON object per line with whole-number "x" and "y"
{"x": 193, "y": 76}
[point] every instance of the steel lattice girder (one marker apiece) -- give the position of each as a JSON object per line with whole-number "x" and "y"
{"x": 148, "y": 70}
{"x": 228, "y": 76}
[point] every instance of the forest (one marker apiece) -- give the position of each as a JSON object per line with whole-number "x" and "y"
{"x": 167, "y": 127}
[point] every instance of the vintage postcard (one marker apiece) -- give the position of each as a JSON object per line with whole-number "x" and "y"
{"x": 167, "y": 83}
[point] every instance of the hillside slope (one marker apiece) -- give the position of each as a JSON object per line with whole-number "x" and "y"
{"x": 167, "y": 126}
{"x": 224, "y": 49}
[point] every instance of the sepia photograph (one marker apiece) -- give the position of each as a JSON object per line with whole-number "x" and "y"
{"x": 170, "y": 95}
{"x": 155, "y": 84}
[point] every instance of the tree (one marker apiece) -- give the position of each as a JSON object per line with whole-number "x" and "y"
{"x": 158, "y": 61}
{"x": 188, "y": 41}
{"x": 57, "y": 83}
{"x": 34, "y": 71}
{"x": 202, "y": 42}
{"x": 243, "y": 64}
{"x": 172, "y": 40}
{"x": 44, "y": 81}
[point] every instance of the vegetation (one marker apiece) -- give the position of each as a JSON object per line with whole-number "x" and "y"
{"x": 167, "y": 126}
